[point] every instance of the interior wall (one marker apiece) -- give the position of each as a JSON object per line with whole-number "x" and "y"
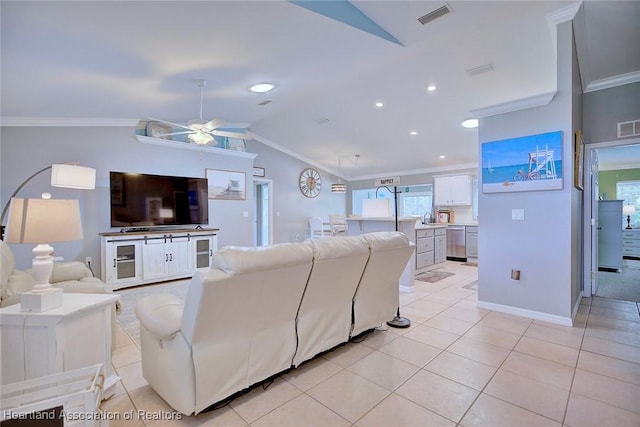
{"x": 542, "y": 245}
{"x": 607, "y": 181}
{"x": 291, "y": 208}
{"x": 604, "y": 109}
{"x": 24, "y": 150}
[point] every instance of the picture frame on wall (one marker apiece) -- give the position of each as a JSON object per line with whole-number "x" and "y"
{"x": 578, "y": 161}
{"x": 226, "y": 185}
{"x": 527, "y": 163}
{"x": 159, "y": 130}
{"x": 258, "y": 172}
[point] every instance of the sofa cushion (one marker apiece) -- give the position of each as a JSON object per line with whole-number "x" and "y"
{"x": 19, "y": 281}
{"x": 72, "y": 270}
{"x": 385, "y": 240}
{"x": 7, "y": 264}
{"x": 235, "y": 260}
{"x": 161, "y": 315}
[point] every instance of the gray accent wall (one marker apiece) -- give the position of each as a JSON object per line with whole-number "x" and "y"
{"x": 24, "y": 150}
{"x": 545, "y": 247}
{"x": 604, "y": 109}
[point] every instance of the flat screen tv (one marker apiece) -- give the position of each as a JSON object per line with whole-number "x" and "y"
{"x": 144, "y": 201}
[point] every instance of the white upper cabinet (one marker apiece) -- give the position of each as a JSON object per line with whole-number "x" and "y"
{"x": 452, "y": 190}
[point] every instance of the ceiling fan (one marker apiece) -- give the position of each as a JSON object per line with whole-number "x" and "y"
{"x": 200, "y": 131}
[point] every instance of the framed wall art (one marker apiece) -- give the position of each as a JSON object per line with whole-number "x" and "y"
{"x": 226, "y": 185}
{"x": 528, "y": 163}
{"x": 159, "y": 130}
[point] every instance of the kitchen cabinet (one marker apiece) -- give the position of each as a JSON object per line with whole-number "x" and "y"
{"x": 431, "y": 247}
{"x": 452, "y": 190}
{"x": 471, "y": 241}
{"x": 610, "y": 234}
{"x": 440, "y": 245}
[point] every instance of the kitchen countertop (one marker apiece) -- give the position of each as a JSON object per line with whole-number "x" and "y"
{"x": 431, "y": 225}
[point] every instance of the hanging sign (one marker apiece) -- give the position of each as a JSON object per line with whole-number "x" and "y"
{"x": 394, "y": 180}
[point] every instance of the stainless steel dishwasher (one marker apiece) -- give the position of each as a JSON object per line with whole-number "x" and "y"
{"x": 456, "y": 245}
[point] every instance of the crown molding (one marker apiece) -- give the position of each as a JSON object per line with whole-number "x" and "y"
{"x": 295, "y": 155}
{"x": 518, "y": 104}
{"x": 609, "y": 82}
{"x": 65, "y": 122}
{"x": 444, "y": 169}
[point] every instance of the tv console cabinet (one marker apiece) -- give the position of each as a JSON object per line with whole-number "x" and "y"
{"x": 140, "y": 257}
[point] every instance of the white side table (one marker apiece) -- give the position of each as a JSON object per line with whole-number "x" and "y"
{"x": 75, "y": 335}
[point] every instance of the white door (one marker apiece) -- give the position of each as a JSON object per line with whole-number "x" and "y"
{"x": 595, "y": 224}
{"x": 263, "y": 212}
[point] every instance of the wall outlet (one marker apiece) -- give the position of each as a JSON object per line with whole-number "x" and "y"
{"x": 88, "y": 260}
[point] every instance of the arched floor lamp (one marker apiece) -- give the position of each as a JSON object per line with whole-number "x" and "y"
{"x": 398, "y": 321}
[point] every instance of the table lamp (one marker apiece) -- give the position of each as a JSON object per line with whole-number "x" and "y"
{"x": 39, "y": 221}
{"x": 64, "y": 175}
{"x": 628, "y": 210}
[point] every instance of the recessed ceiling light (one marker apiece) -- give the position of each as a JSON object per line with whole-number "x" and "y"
{"x": 470, "y": 124}
{"x": 261, "y": 88}
{"x": 413, "y": 132}
{"x": 379, "y": 104}
{"x": 442, "y": 156}
{"x": 431, "y": 88}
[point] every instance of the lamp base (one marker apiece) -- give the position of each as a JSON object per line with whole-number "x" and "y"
{"x": 399, "y": 322}
{"x": 39, "y": 302}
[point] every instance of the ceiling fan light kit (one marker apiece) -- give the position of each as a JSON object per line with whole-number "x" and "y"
{"x": 199, "y": 131}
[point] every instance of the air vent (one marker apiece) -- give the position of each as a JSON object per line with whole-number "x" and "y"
{"x": 435, "y": 14}
{"x": 268, "y": 101}
{"x": 626, "y": 129}
{"x": 479, "y": 70}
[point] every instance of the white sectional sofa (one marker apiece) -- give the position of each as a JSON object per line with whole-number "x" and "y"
{"x": 260, "y": 311}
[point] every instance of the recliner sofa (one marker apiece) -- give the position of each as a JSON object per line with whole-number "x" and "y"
{"x": 260, "y": 311}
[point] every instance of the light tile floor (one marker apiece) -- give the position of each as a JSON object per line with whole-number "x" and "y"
{"x": 456, "y": 365}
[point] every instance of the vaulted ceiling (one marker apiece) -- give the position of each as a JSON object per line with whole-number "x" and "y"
{"x": 106, "y": 63}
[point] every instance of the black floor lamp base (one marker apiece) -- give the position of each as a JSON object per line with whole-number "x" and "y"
{"x": 399, "y": 322}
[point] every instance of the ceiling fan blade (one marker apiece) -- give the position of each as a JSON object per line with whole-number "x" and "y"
{"x": 174, "y": 133}
{"x": 176, "y": 125}
{"x": 213, "y": 124}
{"x": 230, "y": 134}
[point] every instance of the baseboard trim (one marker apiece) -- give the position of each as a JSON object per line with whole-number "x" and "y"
{"x": 407, "y": 288}
{"x": 538, "y": 315}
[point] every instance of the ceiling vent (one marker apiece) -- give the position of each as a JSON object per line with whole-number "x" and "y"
{"x": 631, "y": 128}
{"x": 479, "y": 70}
{"x": 435, "y": 14}
{"x": 268, "y": 101}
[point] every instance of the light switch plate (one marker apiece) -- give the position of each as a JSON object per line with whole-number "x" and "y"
{"x": 517, "y": 214}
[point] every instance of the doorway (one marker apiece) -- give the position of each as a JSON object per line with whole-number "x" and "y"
{"x": 263, "y": 212}
{"x": 599, "y": 156}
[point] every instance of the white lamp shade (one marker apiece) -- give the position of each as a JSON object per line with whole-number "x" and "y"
{"x": 43, "y": 221}
{"x": 628, "y": 210}
{"x": 376, "y": 208}
{"x": 73, "y": 176}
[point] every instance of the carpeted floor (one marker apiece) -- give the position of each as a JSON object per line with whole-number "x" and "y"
{"x": 623, "y": 286}
{"x": 129, "y": 297}
{"x": 434, "y": 276}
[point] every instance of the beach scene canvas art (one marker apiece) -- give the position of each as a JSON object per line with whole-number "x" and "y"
{"x": 528, "y": 163}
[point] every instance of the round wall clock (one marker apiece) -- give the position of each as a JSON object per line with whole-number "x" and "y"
{"x": 310, "y": 182}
